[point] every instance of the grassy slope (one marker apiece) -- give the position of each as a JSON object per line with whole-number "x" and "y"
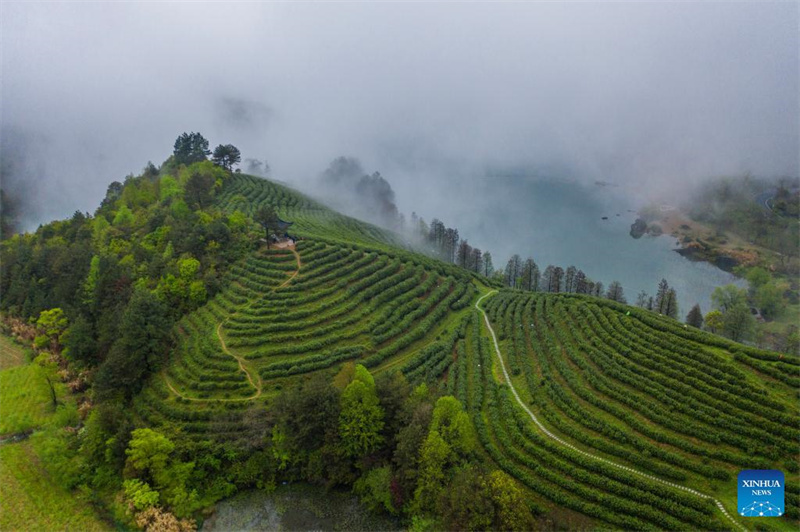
{"x": 32, "y": 501}
{"x": 12, "y": 354}
{"x": 26, "y": 399}
{"x": 272, "y": 329}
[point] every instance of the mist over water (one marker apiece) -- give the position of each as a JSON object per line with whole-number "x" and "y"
{"x": 559, "y": 222}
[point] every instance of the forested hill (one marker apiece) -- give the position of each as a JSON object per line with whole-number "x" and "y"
{"x": 215, "y": 363}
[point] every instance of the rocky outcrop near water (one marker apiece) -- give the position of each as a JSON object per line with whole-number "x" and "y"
{"x": 638, "y": 228}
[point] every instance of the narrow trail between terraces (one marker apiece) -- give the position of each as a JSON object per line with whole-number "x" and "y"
{"x": 257, "y": 384}
{"x": 560, "y": 441}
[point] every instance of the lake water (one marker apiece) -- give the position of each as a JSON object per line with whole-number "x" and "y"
{"x": 560, "y": 222}
{"x": 296, "y": 507}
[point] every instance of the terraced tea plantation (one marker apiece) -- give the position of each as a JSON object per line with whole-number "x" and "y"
{"x": 290, "y": 311}
{"x": 618, "y": 386}
{"x": 624, "y": 418}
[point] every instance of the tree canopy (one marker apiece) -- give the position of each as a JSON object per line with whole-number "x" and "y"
{"x": 226, "y": 156}
{"x": 191, "y": 148}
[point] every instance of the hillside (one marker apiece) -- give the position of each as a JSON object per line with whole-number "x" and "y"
{"x": 636, "y": 390}
{"x": 605, "y": 415}
{"x": 345, "y": 293}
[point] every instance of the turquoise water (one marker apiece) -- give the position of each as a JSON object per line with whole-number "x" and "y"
{"x": 560, "y": 222}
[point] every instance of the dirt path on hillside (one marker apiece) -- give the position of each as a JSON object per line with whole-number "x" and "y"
{"x": 258, "y": 383}
{"x": 558, "y": 440}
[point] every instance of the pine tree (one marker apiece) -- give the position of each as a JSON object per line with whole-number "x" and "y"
{"x": 615, "y": 292}
{"x": 641, "y": 299}
{"x": 226, "y": 155}
{"x": 488, "y": 267}
{"x": 661, "y": 297}
{"x": 569, "y": 280}
{"x": 513, "y": 271}
{"x": 581, "y": 286}
{"x": 598, "y": 289}
{"x": 530, "y": 275}
{"x": 191, "y": 148}
{"x": 695, "y": 317}
{"x": 671, "y": 304}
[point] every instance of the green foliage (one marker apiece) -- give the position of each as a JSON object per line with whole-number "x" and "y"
{"x": 374, "y": 489}
{"x": 150, "y": 458}
{"x": 199, "y": 189}
{"x": 90, "y": 285}
{"x": 53, "y": 322}
{"x": 170, "y": 188}
{"x": 769, "y": 299}
{"x": 453, "y": 424}
{"x": 757, "y": 277}
{"x": 79, "y": 342}
{"x": 714, "y": 321}
{"x": 361, "y": 418}
{"x": 26, "y": 399}
{"x": 188, "y": 268}
{"x": 466, "y": 504}
{"x": 148, "y": 452}
{"x": 190, "y": 148}
{"x": 738, "y": 322}
{"x": 728, "y": 296}
{"x": 124, "y": 217}
{"x": 695, "y": 317}
{"x": 140, "y": 494}
{"x": 58, "y": 449}
{"x": 434, "y": 455}
{"x": 34, "y": 500}
{"x": 511, "y": 510}
{"x": 226, "y": 156}
{"x": 141, "y": 347}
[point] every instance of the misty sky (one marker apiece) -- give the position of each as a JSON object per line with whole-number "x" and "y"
{"x": 434, "y": 96}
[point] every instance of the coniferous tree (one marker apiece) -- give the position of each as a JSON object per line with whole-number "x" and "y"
{"x": 547, "y": 276}
{"x": 529, "y": 279}
{"x": 615, "y": 292}
{"x": 513, "y": 271}
{"x": 581, "y": 286}
{"x": 191, "y": 148}
{"x": 488, "y": 267}
{"x": 226, "y": 155}
{"x": 141, "y": 347}
{"x": 557, "y": 280}
{"x": 476, "y": 260}
{"x": 450, "y": 244}
{"x": 641, "y": 299}
{"x": 463, "y": 254}
{"x": 695, "y": 317}
{"x": 569, "y": 280}
{"x": 268, "y": 219}
{"x": 598, "y": 289}
{"x": 671, "y": 304}
{"x": 661, "y": 297}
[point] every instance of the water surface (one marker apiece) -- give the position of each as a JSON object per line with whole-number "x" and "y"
{"x": 560, "y": 222}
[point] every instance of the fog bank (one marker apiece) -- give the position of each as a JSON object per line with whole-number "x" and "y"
{"x": 652, "y": 97}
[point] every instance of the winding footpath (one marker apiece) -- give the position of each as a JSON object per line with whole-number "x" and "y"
{"x": 557, "y": 439}
{"x": 258, "y": 385}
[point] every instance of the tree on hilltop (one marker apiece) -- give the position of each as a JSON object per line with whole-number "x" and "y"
{"x": 226, "y": 155}
{"x": 191, "y": 148}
